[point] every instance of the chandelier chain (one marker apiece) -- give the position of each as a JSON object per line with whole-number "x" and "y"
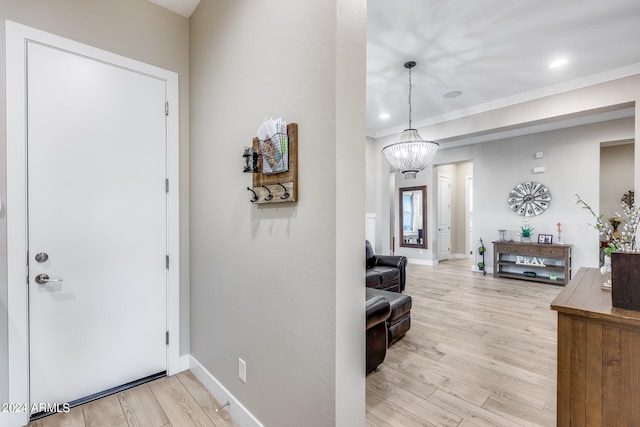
{"x": 410, "y": 98}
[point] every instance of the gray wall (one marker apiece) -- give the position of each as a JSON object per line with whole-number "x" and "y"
{"x": 616, "y": 176}
{"x": 280, "y": 286}
{"x": 137, "y": 29}
{"x": 571, "y": 159}
{"x": 572, "y": 162}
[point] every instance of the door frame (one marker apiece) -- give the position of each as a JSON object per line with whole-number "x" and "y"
{"x": 17, "y": 36}
{"x": 468, "y": 216}
{"x": 440, "y": 203}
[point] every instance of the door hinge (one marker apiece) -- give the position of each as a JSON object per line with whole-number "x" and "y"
{"x": 167, "y": 262}
{"x": 166, "y": 108}
{"x": 166, "y": 185}
{"x": 167, "y": 337}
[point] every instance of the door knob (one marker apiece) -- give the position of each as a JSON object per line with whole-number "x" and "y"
{"x": 43, "y": 279}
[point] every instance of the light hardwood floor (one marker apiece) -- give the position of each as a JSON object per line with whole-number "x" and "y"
{"x": 481, "y": 352}
{"x": 176, "y": 401}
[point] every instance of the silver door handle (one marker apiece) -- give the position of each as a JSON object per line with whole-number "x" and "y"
{"x": 42, "y": 279}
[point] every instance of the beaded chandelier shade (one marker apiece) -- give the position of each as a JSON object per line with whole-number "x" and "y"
{"x": 411, "y": 153}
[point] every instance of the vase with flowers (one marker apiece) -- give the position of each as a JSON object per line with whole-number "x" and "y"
{"x": 622, "y": 248}
{"x": 624, "y": 241}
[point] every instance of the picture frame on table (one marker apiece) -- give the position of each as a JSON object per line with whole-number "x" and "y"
{"x": 546, "y": 239}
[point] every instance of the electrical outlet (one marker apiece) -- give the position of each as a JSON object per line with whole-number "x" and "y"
{"x": 242, "y": 370}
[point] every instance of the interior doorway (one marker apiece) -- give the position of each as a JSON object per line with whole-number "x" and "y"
{"x": 617, "y": 172}
{"x": 461, "y": 209}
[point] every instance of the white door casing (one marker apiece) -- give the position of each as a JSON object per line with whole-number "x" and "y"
{"x": 469, "y": 249}
{"x": 444, "y": 217}
{"x": 18, "y": 37}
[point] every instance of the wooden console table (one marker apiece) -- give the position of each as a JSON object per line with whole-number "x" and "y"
{"x": 512, "y": 259}
{"x": 598, "y": 356}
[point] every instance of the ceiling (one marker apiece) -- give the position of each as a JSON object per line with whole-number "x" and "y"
{"x": 496, "y": 52}
{"x": 181, "y": 7}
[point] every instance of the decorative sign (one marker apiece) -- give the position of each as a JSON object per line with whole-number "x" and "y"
{"x": 525, "y": 260}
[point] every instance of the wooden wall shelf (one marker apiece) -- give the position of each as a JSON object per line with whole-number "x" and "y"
{"x": 280, "y": 183}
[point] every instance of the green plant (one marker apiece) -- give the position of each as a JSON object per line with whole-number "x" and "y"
{"x": 481, "y": 265}
{"x": 481, "y": 249}
{"x": 526, "y": 229}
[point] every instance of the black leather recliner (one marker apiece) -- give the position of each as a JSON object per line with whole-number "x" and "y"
{"x": 386, "y": 272}
{"x": 378, "y": 310}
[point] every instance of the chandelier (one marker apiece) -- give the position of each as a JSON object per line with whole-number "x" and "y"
{"x": 411, "y": 153}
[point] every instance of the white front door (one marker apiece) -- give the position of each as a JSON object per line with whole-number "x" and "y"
{"x": 444, "y": 217}
{"x": 97, "y": 225}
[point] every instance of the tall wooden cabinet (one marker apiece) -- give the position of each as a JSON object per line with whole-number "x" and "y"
{"x": 598, "y": 356}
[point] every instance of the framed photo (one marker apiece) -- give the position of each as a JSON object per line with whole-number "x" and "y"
{"x": 546, "y": 239}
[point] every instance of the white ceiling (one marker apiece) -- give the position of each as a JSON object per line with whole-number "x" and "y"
{"x": 495, "y": 51}
{"x": 181, "y": 7}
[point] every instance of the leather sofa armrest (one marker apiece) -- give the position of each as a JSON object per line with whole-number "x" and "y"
{"x": 377, "y": 309}
{"x": 398, "y": 261}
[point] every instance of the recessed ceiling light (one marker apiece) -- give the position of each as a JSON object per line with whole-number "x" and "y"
{"x": 558, "y": 63}
{"x": 384, "y": 116}
{"x": 452, "y": 94}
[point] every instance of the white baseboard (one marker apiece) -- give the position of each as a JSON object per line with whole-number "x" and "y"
{"x": 433, "y": 262}
{"x": 240, "y": 414}
{"x": 421, "y": 261}
{"x": 460, "y": 256}
{"x": 184, "y": 363}
{"x": 475, "y": 269}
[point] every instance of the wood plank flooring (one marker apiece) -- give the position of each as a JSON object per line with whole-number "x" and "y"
{"x": 481, "y": 352}
{"x": 176, "y": 401}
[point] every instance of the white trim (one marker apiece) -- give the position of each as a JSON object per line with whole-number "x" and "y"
{"x": 237, "y": 410}
{"x": 185, "y": 362}
{"x": 420, "y": 261}
{"x": 173, "y": 220}
{"x": 460, "y": 256}
{"x": 468, "y": 215}
{"x": 370, "y": 228}
{"x": 17, "y": 36}
{"x": 475, "y": 269}
{"x": 16, "y": 222}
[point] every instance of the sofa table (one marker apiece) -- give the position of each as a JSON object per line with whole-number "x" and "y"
{"x": 598, "y": 356}
{"x": 532, "y": 261}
